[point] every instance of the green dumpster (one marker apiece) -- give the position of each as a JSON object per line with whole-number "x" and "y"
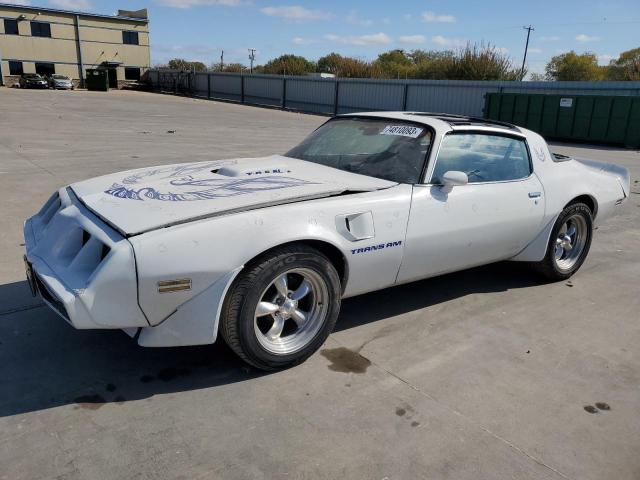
{"x": 612, "y": 119}
{"x": 98, "y": 79}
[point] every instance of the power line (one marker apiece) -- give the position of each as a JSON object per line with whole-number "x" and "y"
{"x": 526, "y": 47}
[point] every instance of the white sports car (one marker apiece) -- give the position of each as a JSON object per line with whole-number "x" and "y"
{"x": 264, "y": 249}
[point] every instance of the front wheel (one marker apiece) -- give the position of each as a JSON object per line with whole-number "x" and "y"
{"x": 569, "y": 243}
{"x": 282, "y": 308}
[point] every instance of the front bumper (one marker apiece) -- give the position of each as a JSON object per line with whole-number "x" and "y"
{"x": 82, "y": 269}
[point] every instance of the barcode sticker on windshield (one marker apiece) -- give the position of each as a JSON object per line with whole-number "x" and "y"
{"x": 402, "y": 130}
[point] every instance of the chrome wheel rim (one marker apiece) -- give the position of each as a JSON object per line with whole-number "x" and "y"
{"x": 570, "y": 242}
{"x": 291, "y": 311}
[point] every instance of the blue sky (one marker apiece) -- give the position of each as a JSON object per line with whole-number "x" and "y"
{"x": 200, "y": 29}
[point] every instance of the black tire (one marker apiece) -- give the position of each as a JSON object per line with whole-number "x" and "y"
{"x": 239, "y": 308}
{"x": 548, "y": 266}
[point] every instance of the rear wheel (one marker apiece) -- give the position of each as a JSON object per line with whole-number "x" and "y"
{"x": 569, "y": 243}
{"x": 282, "y": 308}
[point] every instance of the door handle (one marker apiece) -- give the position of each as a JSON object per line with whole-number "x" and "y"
{"x": 535, "y": 194}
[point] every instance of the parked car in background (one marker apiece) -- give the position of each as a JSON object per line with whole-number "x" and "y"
{"x": 60, "y": 82}
{"x": 32, "y": 80}
{"x": 262, "y": 250}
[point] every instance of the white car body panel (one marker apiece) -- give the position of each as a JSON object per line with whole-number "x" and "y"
{"x": 209, "y": 253}
{"x": 187, "y": 222}
{"x": 471, "y": 225}
{"x": 164, "y": 196}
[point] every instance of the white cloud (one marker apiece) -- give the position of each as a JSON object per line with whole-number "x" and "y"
{"x": 72, "y": 4}
{"x": 302, "y": 41}
{"x": 296, "y": 13}
{"x": 552, "y": 38}
{"x": 412, "y": 39}
{"x": 433, "y": 17}
{"x": 535, "y": 50}
{"x": 200, "y": 3}
{"x": 18, "y": 2}
{"x": 374, "y": 39}
{"x": 448, "y": 42}
{"x": 354, "y": 19}
{"x": 586, "y": 38}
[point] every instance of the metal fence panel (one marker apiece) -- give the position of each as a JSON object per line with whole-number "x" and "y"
{"x": 226, "y": 87}
{"x": 448, "y": 98}
{"x": 361, "y": 96}
{"x": 310, "y": 95}
{"x": 328, "y": 96}
{"x": 261, "y": 90}
{"x": 201, "y": 85}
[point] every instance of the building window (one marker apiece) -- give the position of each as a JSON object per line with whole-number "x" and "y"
{"x": 130, "y": 38}
{"x": 15, "y": 68}
{"x": 131, "y": 73}
{"x": 45, "y": 69}
{"x": 40, "y": 29}
{"x": 10, "y": 27}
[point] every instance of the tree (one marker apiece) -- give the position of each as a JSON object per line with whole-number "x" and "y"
{"x": 482, "y": 62}
{"x": 229, "y": 67}
{"x": 395, "y": 64}
{"x": 432, "y": 64}
{"x": 185, "y": 65}
{"x": 537, "y": 77}
{"x": 626, "y": 67}
{"x": 344, "y": 66}
{"x": 289, "y": 65}
{"x": 571, "y": 66}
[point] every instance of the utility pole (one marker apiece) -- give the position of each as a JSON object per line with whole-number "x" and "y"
{"x": 222, "y": 61}
{"x": 252, "y": 57}
{"x": 526, "y": 47}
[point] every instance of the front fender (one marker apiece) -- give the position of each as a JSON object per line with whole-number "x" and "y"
{"x": 207, "y": 250}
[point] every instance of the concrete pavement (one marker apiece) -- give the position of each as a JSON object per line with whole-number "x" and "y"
{"x": 474, "y": 375}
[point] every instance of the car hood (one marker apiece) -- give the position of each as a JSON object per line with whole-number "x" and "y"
{"x": 138, "y": 201}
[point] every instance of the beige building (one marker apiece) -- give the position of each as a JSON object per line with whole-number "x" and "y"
{"x": 47, "y": 41}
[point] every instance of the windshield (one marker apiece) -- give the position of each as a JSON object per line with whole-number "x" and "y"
{"x": 382, "y": 148}
{"x": 60, "y": 77}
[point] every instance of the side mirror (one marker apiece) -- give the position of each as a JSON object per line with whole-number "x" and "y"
{"x": 453, "y": 178}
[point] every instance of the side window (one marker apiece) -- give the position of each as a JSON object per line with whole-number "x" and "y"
{"x": 15, "y": 68}
{"x": 131, "y": 73}
{"x": 130, "y": 38}
{"x": 40, "y": 29}
{"x": 483, "y": 157}
{"x": 45, "y": 69}
{"x": 10, "y": 27}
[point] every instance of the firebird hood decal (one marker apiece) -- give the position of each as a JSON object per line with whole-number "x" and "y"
{"x": 141, "y": 200}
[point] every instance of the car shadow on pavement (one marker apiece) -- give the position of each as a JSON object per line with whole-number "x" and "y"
{"x": 45, "y": 363}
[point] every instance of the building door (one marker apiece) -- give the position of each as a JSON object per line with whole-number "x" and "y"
{"x": 113, "y": 77}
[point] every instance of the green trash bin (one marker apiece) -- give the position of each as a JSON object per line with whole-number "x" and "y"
{"x": 98, "y": 79}
{"x": 610, "y": 119}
